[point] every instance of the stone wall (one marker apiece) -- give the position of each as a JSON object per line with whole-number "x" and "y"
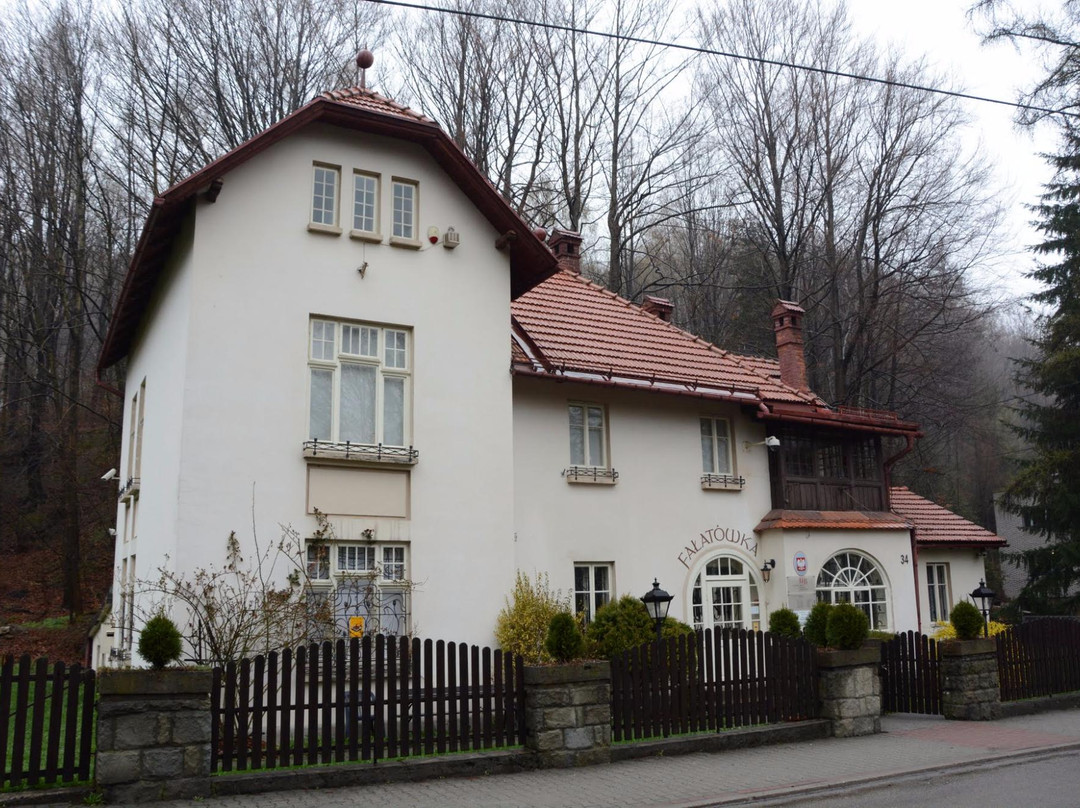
{"x": 970, "y": 689}
{"x": 568, "y": 713}
{"x": 153, "y": 735}
{"x": 849, "y": 690}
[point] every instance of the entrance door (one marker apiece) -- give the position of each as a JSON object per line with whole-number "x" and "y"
{"x": 725, "y": 595}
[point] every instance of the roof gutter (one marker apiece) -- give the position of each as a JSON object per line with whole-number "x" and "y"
{"x": 767, "y": 414}
{"x": 650, "y": 385}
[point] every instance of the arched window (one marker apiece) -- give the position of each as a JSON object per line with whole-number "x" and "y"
{"x": 725, "y": 595}
{"x": 851, "y": 577}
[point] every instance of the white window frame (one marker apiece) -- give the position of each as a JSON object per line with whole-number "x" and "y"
{"x": 850, "y": 580}
{"x": 719, "y": 445}
{"x": 586, "y": 459}
{"x": 591, "y": 597}
{"x": 317, "y": 213}
{"x": 366, "y": 233}
{"x": 402, "y": 233}
{"x": 387, "y": 372}
{"x": 384, "y": 570}
{"x": 938, "y": 593}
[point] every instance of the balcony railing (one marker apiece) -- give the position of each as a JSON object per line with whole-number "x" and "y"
{"x": 361, "y": 452}
{"x": 590, "y": 474}
{"x": 722, "y": 482}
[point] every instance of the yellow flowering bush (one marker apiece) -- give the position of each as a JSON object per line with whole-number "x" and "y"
{"x": 522, "y": 625}
{"x": 945, "y": 630}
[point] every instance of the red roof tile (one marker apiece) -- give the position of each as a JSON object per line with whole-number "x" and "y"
{"x": 373, "y": 102}
{"x": 582, "y": 330}
{"x": 831, "y": 520}
{"x": 935, "y": 525}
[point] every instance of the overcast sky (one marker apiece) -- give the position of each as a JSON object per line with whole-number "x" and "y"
{"x": 939, "y": 30}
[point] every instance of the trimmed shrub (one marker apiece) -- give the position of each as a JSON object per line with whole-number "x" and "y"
{"x": 785, "y": 623}
{"x": 625, "y": 623}
{"x": 816, "y": 622}
{"x": 522, "y": 625}
{"x": 846, "y": 627}
{"x": 884, "y": 636}
{"x": 966, "y": 620}
{"x": 160, "y": 642}
{"x": 564, "y": 640}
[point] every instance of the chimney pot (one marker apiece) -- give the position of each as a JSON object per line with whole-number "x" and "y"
{"x": 787, "y": 325}
{"x": 566, "y": 245}
{"x": 660, "y": 306}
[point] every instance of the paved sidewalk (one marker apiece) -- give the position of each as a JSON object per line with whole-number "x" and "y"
{"x": 909, "y": 744}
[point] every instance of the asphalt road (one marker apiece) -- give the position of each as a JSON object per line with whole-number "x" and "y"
{"x": 1050, "y": 781}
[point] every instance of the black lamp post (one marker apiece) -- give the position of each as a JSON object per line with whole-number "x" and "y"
{"x": 985, "y": 595}
{"x": 657, "y": 601}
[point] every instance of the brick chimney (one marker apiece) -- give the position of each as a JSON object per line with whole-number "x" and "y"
{"x": 660, "y": 306}
{"x": 566, "y": 245}
{"x": 787, "y": 324}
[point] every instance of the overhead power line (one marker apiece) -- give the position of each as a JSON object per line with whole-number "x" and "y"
{"x": 727, "y": 55}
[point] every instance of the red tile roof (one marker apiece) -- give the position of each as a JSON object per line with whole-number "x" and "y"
{"x": 571, "y": 328}
{"x": 938, "y": 526}
{"x": 373, "y": 102}
{"x": 831, "y": 520}
{"x": 585, "y": 331}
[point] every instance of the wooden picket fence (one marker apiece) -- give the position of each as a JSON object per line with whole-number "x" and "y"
{"x": 1039, "y": 658}
{"x": 365, "y": 700}
{"x": 911, "y": 675}
{"x": 48, "y": 733}
{"x": 709, "y": 682}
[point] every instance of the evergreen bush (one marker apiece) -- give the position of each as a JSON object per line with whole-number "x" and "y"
{"x": 816, "y": 622}
{"x": 785, "y": 623}
{"x": 564, "y": 640}
{"x": 847, "y": 627}
{"x": 967, "y": 620}
{"x": 624, "y": 624}
{"x": 160, "y": 642}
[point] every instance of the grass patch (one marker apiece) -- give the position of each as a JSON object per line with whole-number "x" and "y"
{"x": 47, "y": 623}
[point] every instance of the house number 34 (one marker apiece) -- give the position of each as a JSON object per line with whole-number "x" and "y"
{"x": 904, "y": 558}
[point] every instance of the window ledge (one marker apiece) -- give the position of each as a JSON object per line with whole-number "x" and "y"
{"x": 591, "y": 475}
{"x": 328, "y": 229}
{"x": 722, "y": 482}
{"x": 361, "y": 452}
{"x": 407, "y": 243}
{"x": 366, "y": 235}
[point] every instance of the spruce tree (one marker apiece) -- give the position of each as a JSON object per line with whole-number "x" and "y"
{"x": 1046, "y": 491}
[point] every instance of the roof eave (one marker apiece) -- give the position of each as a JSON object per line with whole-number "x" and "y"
{"x": 531, "y": 262}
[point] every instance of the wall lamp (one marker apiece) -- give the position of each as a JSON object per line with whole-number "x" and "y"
{"x": 767, "y": 568}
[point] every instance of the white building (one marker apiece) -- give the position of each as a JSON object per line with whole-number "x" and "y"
{"x": 319, "y": 320}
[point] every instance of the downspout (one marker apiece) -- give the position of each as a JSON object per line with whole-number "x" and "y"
{"x": 915, "y": 573}
{"x": 902, "y": 453}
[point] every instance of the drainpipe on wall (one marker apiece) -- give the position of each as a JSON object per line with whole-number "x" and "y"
{"x": 915, "y": 573}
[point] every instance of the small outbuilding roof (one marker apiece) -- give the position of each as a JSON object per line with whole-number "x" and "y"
{"x": 937, "y": 526}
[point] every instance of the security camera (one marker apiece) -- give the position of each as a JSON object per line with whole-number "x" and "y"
{"x": 772, "y": 443}
{"x": 108, "y": 475}
{"x": 112, "y": 532}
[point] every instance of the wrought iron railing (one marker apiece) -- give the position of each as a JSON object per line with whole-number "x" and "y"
{"x": 130, "y": 487}
{"x": 722, "y": 481}
{"x": 371, "y": 452}
{"x": 590, "y": 474}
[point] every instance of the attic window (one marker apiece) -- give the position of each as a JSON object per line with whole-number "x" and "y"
{"x": 405, "y": 194}
{"x": 326, "y": 180}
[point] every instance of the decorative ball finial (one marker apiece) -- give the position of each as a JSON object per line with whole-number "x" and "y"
{"x": 365, "y": 59}
{"x": 540, "y": 233}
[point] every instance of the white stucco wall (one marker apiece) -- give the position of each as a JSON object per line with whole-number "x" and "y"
{"x": 228, "y": 383}
{"x": 966, "y": 569}
{"x": 651, "y": 522}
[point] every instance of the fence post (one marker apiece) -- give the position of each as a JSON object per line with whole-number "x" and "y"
{"x": 568, "y": 713}
{"x": 970, "y": 688}
{"x": 849, "y": 689}
{"x": 153, "y": 735}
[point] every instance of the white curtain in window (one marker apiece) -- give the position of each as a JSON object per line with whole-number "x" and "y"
{"x": 394, "y": 411}
{"x": 358, "y": 403}
{"x": 322, "y": 407}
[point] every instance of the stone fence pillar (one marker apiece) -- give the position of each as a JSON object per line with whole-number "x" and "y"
{"x": 970, "y": 689}
{"x": 153, "y": 735}
{"x": 568, "y": 713}
{"x": 849, "y": 690}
